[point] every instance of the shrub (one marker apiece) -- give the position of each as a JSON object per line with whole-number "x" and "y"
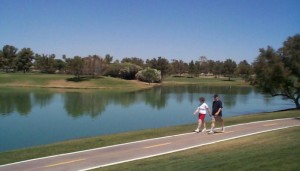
{"x": 122, "y": 70}
{"x": 149, "y": 75}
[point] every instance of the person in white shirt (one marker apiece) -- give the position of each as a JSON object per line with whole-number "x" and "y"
{"x": 201, "y": 111}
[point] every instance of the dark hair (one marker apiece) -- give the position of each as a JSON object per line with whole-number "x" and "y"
{"x": 202, "y": 99}
{"x": 216, "y": 95}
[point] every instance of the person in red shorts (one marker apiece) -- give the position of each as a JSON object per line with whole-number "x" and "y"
{"x": 201, "y": 111}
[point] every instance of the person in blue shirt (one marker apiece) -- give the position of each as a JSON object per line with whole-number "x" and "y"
{"x": 217, "y": 113}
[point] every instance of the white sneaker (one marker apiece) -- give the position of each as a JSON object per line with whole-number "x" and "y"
{"x": 197, "y": 130}
{"x": 203, "y": 130}
{"x": 223, "y": 129}
{"x": 211, "y": 132}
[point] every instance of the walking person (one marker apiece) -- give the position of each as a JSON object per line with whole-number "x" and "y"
{"x": 201, "y": 111}
{"x": 217, "y": 113}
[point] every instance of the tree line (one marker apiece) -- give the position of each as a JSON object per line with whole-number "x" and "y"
{"x": 25, "y": 60}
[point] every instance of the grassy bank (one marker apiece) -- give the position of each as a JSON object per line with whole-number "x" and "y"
{"x": 67, "y": 81}
{"x": 211, "y": 81}
{"x": 101, "y": 141}
{"x": 104, "y": 83}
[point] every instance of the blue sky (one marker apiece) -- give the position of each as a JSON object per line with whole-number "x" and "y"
{"x": 173, "y": 29}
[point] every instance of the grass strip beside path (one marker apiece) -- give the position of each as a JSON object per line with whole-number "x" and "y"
{"x": 101, "y": 141}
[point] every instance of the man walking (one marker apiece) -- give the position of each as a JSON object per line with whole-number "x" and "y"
{"x": 217, "y": 114}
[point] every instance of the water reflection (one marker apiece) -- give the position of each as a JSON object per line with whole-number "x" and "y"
{"x": 77, "y": 104}
{"x": 15, "y": 101}
{"x": 93, "y": 103}
{"x": 42, "y": 98}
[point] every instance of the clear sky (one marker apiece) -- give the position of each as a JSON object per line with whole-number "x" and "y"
{"x": 173, "y": 29}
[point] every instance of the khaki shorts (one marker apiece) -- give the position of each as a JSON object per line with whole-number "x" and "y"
{"x": 216, "y": 118}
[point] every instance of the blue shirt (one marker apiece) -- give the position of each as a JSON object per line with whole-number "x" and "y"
{"x": 216, "y": 106}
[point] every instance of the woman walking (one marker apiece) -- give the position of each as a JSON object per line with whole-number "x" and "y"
{"x": 201, "y": 111}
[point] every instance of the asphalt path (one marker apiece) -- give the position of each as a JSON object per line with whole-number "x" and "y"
{"x": 105, "y": 156}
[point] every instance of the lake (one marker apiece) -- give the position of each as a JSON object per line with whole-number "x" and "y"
{"x": 31, "y": 117}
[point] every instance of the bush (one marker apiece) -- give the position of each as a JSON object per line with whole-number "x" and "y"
{"x": 149, "y": 75}
{"x": 122, "y": 70}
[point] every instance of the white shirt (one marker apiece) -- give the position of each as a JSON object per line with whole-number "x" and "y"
{"x": 202, "y": 109}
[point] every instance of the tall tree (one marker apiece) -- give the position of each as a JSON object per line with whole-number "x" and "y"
{"x": 93, "y": 65}
{"x": 45, "y": 63}
{"x": 60, "y": 65}
{"x": 197, "y": 68}
{"x": 244, "y": 69}
{"x": 108, "y": 59}
{"x": 229, "y": 68}
{"x": 202, "y": 59}
{"x": 75, "y": 66}
{"x": 217, "y": 68}
{"x": 211, "y": 65}
{"x": 204, "y": 67}
{"x": 160, "y": 64}
{"x": 9, "y": 60}
{"x": 192, "y": 68}
{"x": 290, "y": 54}
{"x": 278, "y": 73}
{"x": 178, "y": 66}
{"x": 25, "y": 57}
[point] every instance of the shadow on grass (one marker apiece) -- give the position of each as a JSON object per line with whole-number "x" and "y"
{"x": 84, "y": 78}
{"x": 229, "y": 80}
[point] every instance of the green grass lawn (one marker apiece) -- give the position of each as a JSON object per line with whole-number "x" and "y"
{"x": 205, "y": 81}
{"x": 29, "y": 78}
{"x": 68, "y": 81}
{"x": 108, "y": 83}
{"x": 101, "y": 141}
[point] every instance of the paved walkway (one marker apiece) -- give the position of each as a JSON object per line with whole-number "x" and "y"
{"x": 100, "y": 157}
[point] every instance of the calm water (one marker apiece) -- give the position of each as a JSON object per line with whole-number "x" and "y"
{"x": 30, "y": 117}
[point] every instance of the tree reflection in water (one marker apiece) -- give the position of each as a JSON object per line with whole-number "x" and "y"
{"x": 92, "y": 103}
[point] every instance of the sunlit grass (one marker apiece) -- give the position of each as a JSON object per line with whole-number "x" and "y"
{"x": 68, "y": 81}
{"x": 205, "y": 80}
{"x": 29, "y": 78}
{"x": 104, "y": 83}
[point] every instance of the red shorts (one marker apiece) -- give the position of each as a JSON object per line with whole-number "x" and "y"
{"x": 201, "y": 117}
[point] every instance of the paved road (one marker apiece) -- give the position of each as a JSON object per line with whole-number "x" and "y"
{"x": 100, "y": 157}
